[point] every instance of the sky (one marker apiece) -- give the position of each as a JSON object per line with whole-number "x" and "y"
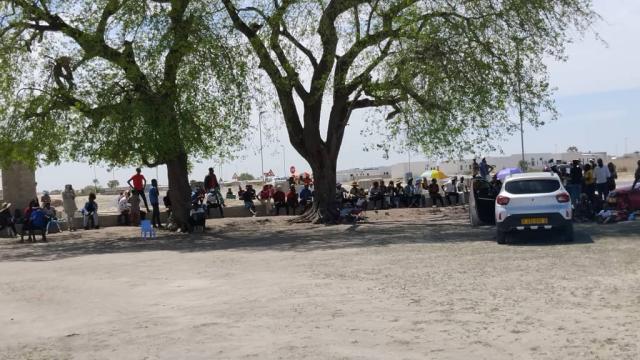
{"x": 598, "y": 97}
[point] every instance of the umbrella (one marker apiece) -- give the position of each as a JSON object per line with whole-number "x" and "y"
{"x": 508, "y": 171}
{"x": 433, "y": 174}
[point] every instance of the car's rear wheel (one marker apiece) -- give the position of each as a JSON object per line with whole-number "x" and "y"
{"x": 567, "y": 233}
{"x": 501, "y": 237}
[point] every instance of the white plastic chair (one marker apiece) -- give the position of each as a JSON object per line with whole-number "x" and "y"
{"x": 146, "y": 230}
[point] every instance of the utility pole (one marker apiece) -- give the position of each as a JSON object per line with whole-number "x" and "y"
{"x": 261, "y": 156}
{"x": 520, "y": 111}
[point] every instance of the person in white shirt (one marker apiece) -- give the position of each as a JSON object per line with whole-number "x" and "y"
{"x": 602, "y": 176}
{"x": 123, "y": 208}
{"x": 451, "y": 190}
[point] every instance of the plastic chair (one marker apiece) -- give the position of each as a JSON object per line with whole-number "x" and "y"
{"x": 146, "y": 230}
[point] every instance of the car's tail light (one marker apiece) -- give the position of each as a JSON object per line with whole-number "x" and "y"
{"x": 502, "y": 200}
{"x": 563, "y": 198}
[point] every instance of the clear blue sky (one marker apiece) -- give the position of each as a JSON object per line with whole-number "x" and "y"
{"x": 598, "y": 98}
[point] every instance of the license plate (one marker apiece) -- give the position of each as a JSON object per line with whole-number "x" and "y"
{"x": 534, "y": 221}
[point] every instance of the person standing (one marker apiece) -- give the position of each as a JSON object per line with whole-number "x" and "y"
{"x": 574, "y": 185}
{"x": 611, "y": 182}
{"x": 475, "y": 169}
{"x": 485, "y": 169}
{"x": 154, "y": 199}
{"x": 434, "y": 193}
{"x": 90, "y": 212}
{"x": 139, "y": 184}
{"x": 589, "y": 183}
{"x": 211, "y": 181}
{"x": 602, "y": 176}
{"x": 69, "y": 205}
{"x": 637, "y": 177}
{"x": 451, "y": 191}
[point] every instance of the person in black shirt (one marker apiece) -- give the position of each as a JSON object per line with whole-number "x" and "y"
{"x": 574, "y": 185}
{"x": 637, "y": 178}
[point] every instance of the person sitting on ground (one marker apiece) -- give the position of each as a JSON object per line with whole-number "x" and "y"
{"x": 292, "y": 200}
{"x": 247, "y": 197}
{"x": 306, "y": 197}
{"x": 45, "y": 198}
{"x": 123, "y": 209}
{"x": 451, "y": 191}
{"x": 434, "y": 193}
{"x": 279, "y": 200}
{"x": 134, "y": 208}
{"x": 637, "y": 178}
{"x": 69, "y": 205}
{"x": 375, "y": 195}
{"x": 6, "y": 219}
{"x": 90, "y": 211}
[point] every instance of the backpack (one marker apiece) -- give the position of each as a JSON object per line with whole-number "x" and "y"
{"x": 38, "y": 218}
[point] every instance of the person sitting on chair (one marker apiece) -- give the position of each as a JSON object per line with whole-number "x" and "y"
{"x": 90, "y": 212}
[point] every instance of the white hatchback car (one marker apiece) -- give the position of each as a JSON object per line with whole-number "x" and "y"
{"x": 533, "y": 201}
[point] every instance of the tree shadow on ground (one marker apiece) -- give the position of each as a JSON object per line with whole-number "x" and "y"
{"x": 257, "y": 236}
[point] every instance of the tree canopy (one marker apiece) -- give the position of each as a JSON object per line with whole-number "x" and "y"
{"x": 126, "y": 82}
{"x": 442, "y": 74}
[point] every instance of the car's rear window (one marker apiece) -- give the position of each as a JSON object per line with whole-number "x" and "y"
{"x": 538, "y": 186}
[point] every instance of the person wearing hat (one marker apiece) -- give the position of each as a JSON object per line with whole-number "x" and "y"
{"x": 6, "y": 220}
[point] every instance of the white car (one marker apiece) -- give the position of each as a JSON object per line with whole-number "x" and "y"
{"x": 530, "y": 201}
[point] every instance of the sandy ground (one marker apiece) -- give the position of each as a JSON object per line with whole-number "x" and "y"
{"x": 409, "y": 285}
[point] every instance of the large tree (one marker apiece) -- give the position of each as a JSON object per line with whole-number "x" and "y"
{"x": 443, "y": 73}
{"x": 126, "y": 82}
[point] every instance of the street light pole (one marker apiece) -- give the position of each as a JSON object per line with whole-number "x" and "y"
{"x": 261, "y": 156}
{"x": 520, "y": 112}
{"x": 284, "y": 162}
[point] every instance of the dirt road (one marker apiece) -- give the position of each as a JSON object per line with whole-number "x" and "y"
{"x": 409, "y": 285}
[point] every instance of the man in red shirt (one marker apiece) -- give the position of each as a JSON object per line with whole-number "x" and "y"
{"x": 139, "y": 184}
{"x": 211, "y": 181}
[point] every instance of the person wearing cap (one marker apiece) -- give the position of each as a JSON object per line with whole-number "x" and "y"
{"x": 6, "y": 220}
{"x": 69, "y": 205}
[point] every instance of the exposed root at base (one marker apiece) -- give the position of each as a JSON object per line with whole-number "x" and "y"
{"x": 316, "y": 215}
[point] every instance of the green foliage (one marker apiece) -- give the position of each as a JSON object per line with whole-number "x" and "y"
{"x": 245, "y": 177}
{"x": 112, "y": 184}
{"x": 96, "y": 189}
{"x": 125, "y": 82}
{"x": 441, "y": 76}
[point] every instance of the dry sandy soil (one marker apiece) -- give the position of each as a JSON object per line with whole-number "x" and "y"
{"x": 409, "y": 285}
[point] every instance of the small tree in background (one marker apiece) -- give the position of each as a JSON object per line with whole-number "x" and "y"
{"x": 112, "y": 184}
{"x": 246, "y": 177}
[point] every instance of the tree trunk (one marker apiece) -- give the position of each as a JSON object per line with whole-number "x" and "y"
{"x": 325, "y": 208}
{"x": 180, "y": 195}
